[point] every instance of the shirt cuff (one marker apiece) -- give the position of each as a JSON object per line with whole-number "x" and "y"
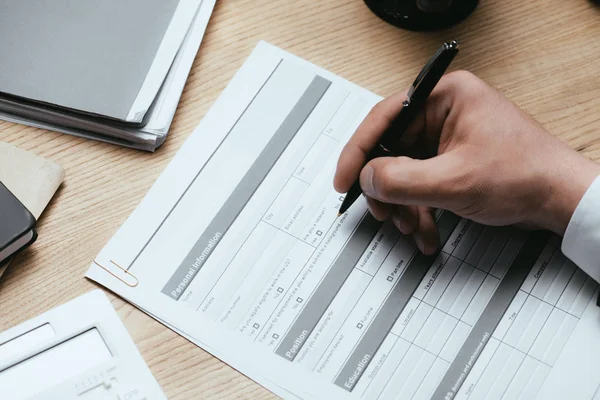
{"x": 581, "y": 242}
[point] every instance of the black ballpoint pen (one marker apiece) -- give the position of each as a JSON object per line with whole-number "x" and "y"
{"x": 416, "y": 97}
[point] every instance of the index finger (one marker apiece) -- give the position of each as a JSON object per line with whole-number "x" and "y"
{"x": 354, "y": 155}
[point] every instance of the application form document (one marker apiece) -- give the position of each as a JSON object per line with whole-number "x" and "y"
{"x": 237, "y": 247}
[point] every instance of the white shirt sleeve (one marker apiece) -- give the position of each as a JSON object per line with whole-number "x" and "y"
{"x": 581, "y": 242}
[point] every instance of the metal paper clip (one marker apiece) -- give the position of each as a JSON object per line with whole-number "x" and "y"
{"x": 119, "y": 278}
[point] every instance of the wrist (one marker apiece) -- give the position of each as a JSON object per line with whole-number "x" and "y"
{"x": 566, "y": 184}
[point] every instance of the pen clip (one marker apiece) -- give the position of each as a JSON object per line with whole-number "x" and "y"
{"x": 132, "y": 283}
{"x": 453, "y": 45}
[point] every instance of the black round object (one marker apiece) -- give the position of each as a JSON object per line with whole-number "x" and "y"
{"x": 422, "y": 15}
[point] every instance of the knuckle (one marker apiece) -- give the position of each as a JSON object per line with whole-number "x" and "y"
{"x": 378, "y": 111}
{"x": 464, "y": 82}
{"x": 462, "y": 76}
{"x": 463, "y": 182}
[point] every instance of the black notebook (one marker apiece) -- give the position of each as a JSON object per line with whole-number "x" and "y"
{"x": 17, "y": 225}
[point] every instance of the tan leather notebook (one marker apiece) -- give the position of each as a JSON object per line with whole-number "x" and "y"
{"x": 32, "y": 179}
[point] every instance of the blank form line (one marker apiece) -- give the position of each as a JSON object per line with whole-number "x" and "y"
{"x": 362, "y": 294}
{"x": 482, "y": 332}
{"x": 364, "y": 272}
{"x": 474, "y": 385}
{"x": 277, "y": 196}
{"x": 364, "y": 332}
{"x": 244, "y": 242}
{"x": 337, "y": 110}
{"x": 383, "y": 363}
{"x": 440, "y": 271}
{"x": 391, "y": 309}
{"x": 340, "y": 328}
{"x": 330, "y": 137}
{"x": 400, "y": 362}
{"x": 227, "y": 267}
{"x": 448, "y": 285}
{"x": 253, "y": 179}
{"x": 318, "y": 208}
{"x": 329, "y": 286}
{"x": 397, "y": 366}
{"x": 287, "y": 233}
{"x": 448, "y": 338}
{"x": 300, "y": 179}
{"x": 443, "y": 312}
{"x": 541, "y": 329}
{"x": 513, "y": 377}
{"x": 471, "y": 265}
{"x": 526, "y": 354}
{"x": 285, "y": 293}
{"x": 553, "y": 306}
{"x": 566, "y": 285}
{"x": 470, "y": 301}
{"x": 426, "y": 373}
{"x": 483, "y": 280}
{"x": 295, "y": 281}
{"x": 246, "y": 188}
{"x": 547, "y": 262}
{"x": 472, "y": 243}
{"x": 325, "y": 274}
{"x": 205, "y": 164}
{"x": 596, "y": 393}
{"x": 386, "y": 257}
{"x": 419, "y": 347}
{"x": 517, "y": 314}
{"x": 496, "y": 259}
{"x": 317, "y": 139}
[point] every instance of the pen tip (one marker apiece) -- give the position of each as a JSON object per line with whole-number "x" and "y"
{"x": 339, "y": 215}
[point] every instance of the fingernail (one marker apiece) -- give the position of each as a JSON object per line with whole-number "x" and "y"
{"x": 402, "y": 225}
{"x": 367, "y": 181}
{"x": 429, "y": 247}
{"x": 420, "y": 242}
{"x": 370, "y": 206}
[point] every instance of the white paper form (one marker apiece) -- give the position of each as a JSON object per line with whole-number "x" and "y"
{"x": 577, "y": 363}
{"x": 237, "y": 246}
{"x": 79, "y": 350}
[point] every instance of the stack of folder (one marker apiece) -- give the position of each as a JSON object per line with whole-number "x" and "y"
{"x": 110, "y": 70}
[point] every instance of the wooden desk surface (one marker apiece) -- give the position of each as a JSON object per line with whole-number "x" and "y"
{"x": 543, "y": 54}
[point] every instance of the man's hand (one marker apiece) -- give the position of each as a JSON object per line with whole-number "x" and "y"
{"x": 470, "y": 151}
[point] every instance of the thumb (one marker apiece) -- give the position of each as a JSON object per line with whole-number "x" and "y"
{"x": 407, "y": 181}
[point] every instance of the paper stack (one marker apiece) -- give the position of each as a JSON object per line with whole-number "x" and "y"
{"x": 111, "y": 71}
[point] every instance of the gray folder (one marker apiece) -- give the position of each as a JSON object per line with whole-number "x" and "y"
{"x": 96, "y": 57}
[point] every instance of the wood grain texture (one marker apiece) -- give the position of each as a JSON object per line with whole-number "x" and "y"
{"x": 542, "y": 54}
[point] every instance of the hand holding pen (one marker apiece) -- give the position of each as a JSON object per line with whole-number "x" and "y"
{"x": 470, "y": 151}
{"x": 415, "y": 99}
